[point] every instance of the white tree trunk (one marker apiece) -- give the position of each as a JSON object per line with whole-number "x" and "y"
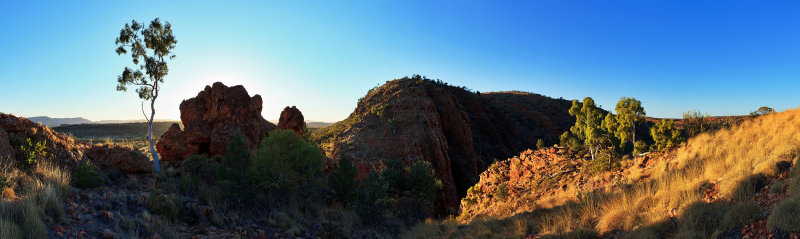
{"x": 150, "y": 134}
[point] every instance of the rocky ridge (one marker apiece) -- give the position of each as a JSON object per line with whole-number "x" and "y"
{"x": 63, "y": 150}
{"x": 459, "y": 131}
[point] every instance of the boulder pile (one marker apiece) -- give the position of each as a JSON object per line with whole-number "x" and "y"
{"x": 211, "y": 119}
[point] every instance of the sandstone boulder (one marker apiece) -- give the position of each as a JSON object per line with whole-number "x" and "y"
{"x": 126, "y": 160}
{"x": 292, "y": 118}
{"x": 211, "y": 119}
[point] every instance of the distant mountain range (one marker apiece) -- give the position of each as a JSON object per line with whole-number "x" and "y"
{"x": 53, "y": 122}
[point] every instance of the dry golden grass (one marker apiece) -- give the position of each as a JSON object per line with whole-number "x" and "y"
{"x": 736, "y": 160}
{"x": 38, "y": 194}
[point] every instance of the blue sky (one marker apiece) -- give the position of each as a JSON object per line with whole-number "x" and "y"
{"x": 721, "y": 57}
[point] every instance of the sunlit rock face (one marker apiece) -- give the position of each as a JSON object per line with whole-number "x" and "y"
{"x": 211, "y": 119}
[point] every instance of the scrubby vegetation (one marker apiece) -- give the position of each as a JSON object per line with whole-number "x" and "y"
{"x": 283, "y": 186}
{"x": 30, "y": 198}
{"x": 707, "y": 189}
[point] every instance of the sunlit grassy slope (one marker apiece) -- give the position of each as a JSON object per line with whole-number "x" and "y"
{"x": 674, "y": 201}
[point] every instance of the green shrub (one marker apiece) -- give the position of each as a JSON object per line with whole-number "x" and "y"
{"x": 539, "y": 144}
{"x": 31, "y": 152}
{"x": 784, "y": 215}
{"x": 86, "y": 176}
{"x": 370, "y": 199}
{"x": 740, "y": 214}
{"x": 665, "y": 135}
{"x": 747, "y": 188}
{"x": 417, "y": 202}
{"x": 604, "y": 161}
{"x": 703, "y": 218}
{"x": 777, "y": 187}
{"x": 200, "y": 167}
{"x": 288, "y": 166}
{"x": 396, "y": 123}
{"x": 380, "y": 110}
{"x": 237, "y": 157}
{"x": 502, "y": 191}
{"x": 343, "y": 180}
{"x": 31, "y": 220}
{"x": 393, "y": 174}
{"x": 9, "y": 230}
{"x": 639, "y": 147}
{"x": 422, "y": 182}
{"x": 661, "y": 229}
{"x": 570, "y": 141}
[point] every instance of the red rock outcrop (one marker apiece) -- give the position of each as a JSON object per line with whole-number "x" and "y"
{"x": 460, "y": 132}
{"x": 211, "y": 119}
{"x": 126, "y": 160}
{"x": 292, "y": 118}
{"x": 548, "y": 176}
{"x": 63, "y": 150}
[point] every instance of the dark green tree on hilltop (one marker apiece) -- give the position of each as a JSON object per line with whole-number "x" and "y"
{"x": 150, "y": 49}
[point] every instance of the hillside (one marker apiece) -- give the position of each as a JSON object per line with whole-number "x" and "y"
{"x": 459, "y": 131}
{"x": 732, "y": 183}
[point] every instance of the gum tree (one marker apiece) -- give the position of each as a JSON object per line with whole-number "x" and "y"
{"x": 588, "y": 125}
{"x": 150, "y": 49}
{"x": 629, "y": 112}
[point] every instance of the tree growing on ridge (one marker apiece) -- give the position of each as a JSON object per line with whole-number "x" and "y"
{"x": 629, "y": 112}
{"x": 665, "y": 135}
{"x": 150, "y": 48}
{"x": 589, "y": 125}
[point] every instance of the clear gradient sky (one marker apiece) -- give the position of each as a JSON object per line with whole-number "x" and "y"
{"x": 722, "y": 57}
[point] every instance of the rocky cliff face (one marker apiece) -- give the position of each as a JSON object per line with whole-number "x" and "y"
{"x": 15, "y": 131}
{"x": 211, "y": 119}
{"x": 458, "y": 131}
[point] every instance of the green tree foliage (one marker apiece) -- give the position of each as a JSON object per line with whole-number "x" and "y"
{"x": 31, "y": 152}
{"x": 149, "y": 47}
{"x": 629, "y": 113}
{"x": 763, "y": 110}
{"x": 288, "y": 166}
{"x": 588, "y": 125}
{"x": 237, "y": 157}
{"x": 639, "y": 147}
{"x": 235, "y": 170}
{"x": 343, "y": 180}
{"x": 665, "y": 135}
{"x": 539, "y": 144}
{"x": 371, "y": 198}
{"x": 403, "y": 192}
{"x": 570, "y": 141}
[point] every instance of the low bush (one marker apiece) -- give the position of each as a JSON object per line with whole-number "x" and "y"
{"x": 740, "y": 214}
{"x": 746, "y": 189}
{"x": 288, "y": 167}
{"x": 784, "y": 215}
{"x": 343, "y": 180}
{"x": 31, "y": 152}
{"x": 701, "y": 218}
{"x": 86, "y": 176}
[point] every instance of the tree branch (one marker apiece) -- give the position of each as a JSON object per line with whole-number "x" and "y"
{"x": 145, "y": 115}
